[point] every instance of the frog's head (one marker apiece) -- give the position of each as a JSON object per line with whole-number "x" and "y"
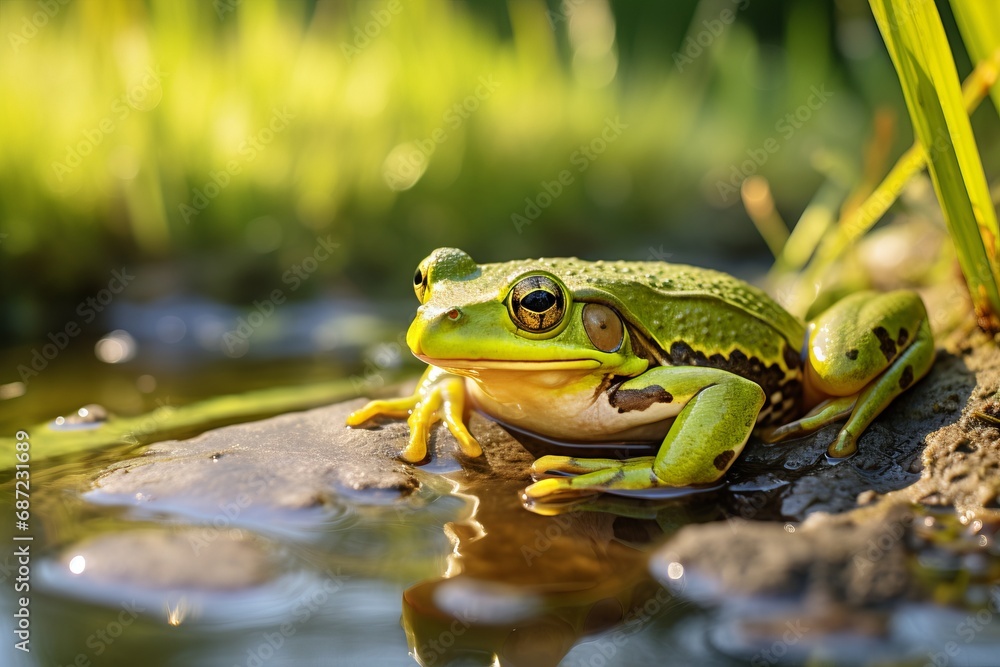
{"x": 514, "y": 316}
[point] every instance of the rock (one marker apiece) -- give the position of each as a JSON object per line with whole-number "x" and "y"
{"x": 854, "y": 564}
{"x": 295, "y": 461}
{"x": 304, "y": 460}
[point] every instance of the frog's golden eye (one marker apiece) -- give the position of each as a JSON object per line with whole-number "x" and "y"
{"x": 537, "y": 304}
{"x": 420, "y": 284}
{"x": 603, "y": 327}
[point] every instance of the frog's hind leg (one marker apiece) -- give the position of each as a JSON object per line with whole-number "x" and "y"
{"x": 827, "y": 412}
{"x": 720, "y": 410}
{"x": 866, "y": 349}
{"x": 911, "y": 365}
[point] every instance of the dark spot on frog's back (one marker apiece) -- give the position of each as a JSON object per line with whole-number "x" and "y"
{"x": 627, "y": 400}
{"x": 770, "y": 378}
{"x": 906, "y": 379}
{"x": 792, "y": 358}
{"x": 722, "y": 460}
{"x": 904, "y": 336}
{"x": 885, "y": 342}
{"x": 851, "y": 354}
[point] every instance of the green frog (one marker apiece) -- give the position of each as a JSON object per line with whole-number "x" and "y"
{"x": 620, "y": 351}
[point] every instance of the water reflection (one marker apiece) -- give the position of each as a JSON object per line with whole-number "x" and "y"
{"x": 523, "y": 589}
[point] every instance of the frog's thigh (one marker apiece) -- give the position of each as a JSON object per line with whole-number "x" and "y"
{"x": 711, "y": 430}
{"x": 706, "y": 436}
{"x": 858, "y": 337}
{"x": 870, "y": 345}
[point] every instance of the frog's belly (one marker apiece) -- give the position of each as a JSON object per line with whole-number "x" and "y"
{"x": 581, "y": 415}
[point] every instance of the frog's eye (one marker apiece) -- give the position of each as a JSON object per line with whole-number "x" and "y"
{"x": 603, "y": 327}
{"x": 537, "y": 304}
{"x": 420, "y": 283}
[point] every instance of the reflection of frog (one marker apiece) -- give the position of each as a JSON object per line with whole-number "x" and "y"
{"x": 630, "y": 351}
{"x": 523, "y": 590}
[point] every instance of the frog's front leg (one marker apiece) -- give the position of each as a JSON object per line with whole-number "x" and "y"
{"x": 720, "y": 410}
{"x": 439, "y": 395}
{"x": 864, "y": 351}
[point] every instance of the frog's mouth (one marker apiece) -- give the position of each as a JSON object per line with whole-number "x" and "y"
{"x": 511, "y": 365}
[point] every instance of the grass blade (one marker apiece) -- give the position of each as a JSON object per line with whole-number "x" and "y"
{"x": 979, "y": 23}
{"x": 919, "y": 50}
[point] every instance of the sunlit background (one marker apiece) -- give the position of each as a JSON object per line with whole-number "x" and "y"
{"x": 204, "y": 197}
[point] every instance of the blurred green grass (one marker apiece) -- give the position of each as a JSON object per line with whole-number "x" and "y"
{"x": 167, "y": 98}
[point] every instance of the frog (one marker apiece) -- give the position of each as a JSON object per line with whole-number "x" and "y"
{"x": 644, "y": 351}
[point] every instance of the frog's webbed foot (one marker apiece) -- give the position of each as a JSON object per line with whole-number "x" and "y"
{"x": 439, "y": 396}
{"x": 591, "y": 476}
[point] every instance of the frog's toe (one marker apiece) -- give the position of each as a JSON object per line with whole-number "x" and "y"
{"x": 395, "y": 408}
{"x": 424, "y": 415}
{"x": 845, "y": 445}
{"x": 452, "y": 408}
{"x": 568, "y": 465}
{"x": 556, "y": 490}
